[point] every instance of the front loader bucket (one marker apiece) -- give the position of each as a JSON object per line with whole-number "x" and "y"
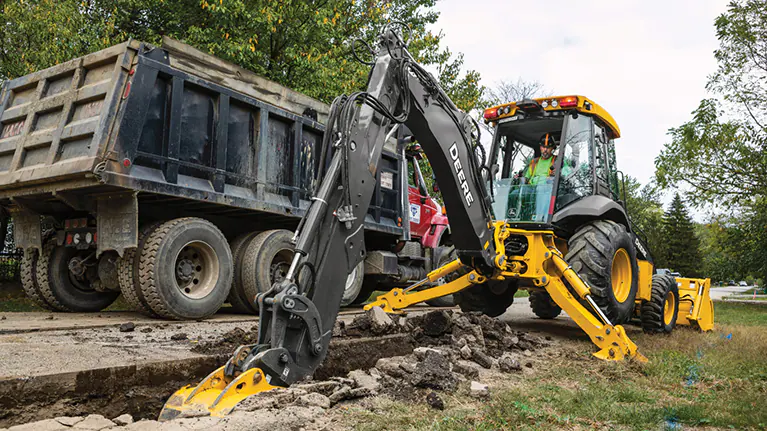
{"x": 215, "y": 395}
{"x": 695, "y": 305}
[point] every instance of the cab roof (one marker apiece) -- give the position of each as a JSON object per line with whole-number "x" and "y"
{"x": 554, "y": 104}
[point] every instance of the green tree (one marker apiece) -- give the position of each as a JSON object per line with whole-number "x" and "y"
{"x": 304, "y": 45}
{"x": 646, "y": 213}
{"x": 682, "y": 246}
{"x": 720, "y": 155}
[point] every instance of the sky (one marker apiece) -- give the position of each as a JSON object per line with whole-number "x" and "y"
{"x": 646, "y": 62}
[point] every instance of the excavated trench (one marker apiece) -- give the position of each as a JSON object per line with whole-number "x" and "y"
{"x": 410, "y": 357}
{"x": 141, "y": 390}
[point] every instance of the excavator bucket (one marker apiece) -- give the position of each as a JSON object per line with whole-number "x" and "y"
{"x": 695, "y": 305}
{"x": 216, "y": 395}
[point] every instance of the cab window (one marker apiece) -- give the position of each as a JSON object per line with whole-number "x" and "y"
{"x": 576, "y": 179}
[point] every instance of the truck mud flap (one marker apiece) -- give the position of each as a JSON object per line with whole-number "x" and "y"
{"x": 117, "y": 222}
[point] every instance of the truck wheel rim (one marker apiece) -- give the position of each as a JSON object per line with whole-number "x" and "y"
{"x": 350, "y": 280}
{"x": 280, "y": 265}
{"x": 668, "y": 308}
{"x": 196, "y": 269}
{"x": 621, "y": 275}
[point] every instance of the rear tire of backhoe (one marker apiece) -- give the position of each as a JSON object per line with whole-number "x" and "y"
{"x": 492, "y": 297}
{"x": 62, "y": 289}
{"x": 658, "y": 315}
{"x": 185, "y": 269}
{"x": 543, "y": 306}
{"x": 602, "y": 253}
{"x": 237, "y": 298}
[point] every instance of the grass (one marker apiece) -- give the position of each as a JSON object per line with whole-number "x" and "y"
{"x": 715, "y": 380}
{"x": 728, "y": 313}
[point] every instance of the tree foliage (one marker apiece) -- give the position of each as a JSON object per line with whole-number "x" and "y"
{"x": 646, "y": 212}
{"x": 681, "y": 249}
{"x": 304, "y": 45}
{"x": 721, "y": 153}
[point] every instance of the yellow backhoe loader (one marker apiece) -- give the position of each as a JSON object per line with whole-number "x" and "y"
{"x": 560, "y": 233}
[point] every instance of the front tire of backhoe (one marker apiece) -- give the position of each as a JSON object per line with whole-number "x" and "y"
{"x": 492, "y": 297}
{"x": 543, "y": 306}
{"x": 658, "y": 315}
{"x": 602, "y": 253}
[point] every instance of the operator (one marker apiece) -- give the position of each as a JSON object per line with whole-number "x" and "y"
{"x": 542, "y": 168}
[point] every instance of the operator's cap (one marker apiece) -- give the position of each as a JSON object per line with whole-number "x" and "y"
{"x": 549, "y": 141}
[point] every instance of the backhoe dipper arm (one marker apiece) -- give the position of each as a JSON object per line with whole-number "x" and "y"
{"x": 298, "y": 313}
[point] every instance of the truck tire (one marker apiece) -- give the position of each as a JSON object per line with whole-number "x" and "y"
{"x": 266, "y": 260}
{"x": 237, "y": 299}
{"x": 127, "y": 269}
{"x": 543, "y": 306}
{"x": 446, "y": 255}
{"x": 62, "y": 289}
{"x": 658, "y": 315}
{"x": 29, "y": 280}
{"x": 602, "y": 253}
{"x": 492, "y": 297}
{"x": 369, "y": 285}
{"x": 353, "y": 286}
{"x": 185, "y": 269}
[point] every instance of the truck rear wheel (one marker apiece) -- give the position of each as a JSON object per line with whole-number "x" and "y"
{"x": 185, "y": 269}
{"x": 266, "y": 260}
{"x": 127, "y": 269}
{"x": 446, "y": 255}
{"x": 65, "y": 280}
{"x": 543, "y": 306}
{"x": 601, "y": 252}
{"x": 658, "y": 315}
{"x": 369, "y": 285}
{"x": 29, "y": 280}
{"x": 353, "y": 286}
{"x": 237, "y": 298}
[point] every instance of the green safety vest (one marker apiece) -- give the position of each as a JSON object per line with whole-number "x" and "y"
{"x": 539, "y": 169}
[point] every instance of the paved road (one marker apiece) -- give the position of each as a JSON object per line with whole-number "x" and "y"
{"x": 719, "y": 292}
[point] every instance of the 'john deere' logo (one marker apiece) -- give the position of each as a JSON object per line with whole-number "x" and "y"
{"x": 461, "y": 176}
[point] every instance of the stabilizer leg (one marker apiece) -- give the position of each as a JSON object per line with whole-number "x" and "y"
{"x": 612, "y": 340}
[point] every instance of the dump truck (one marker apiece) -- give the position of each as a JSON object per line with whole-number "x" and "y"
{"x": 176, "y": 178}
{"x": 504, "y": 231}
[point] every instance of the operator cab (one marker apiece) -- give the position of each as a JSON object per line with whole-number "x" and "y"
{"x": 583, "y": 163}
